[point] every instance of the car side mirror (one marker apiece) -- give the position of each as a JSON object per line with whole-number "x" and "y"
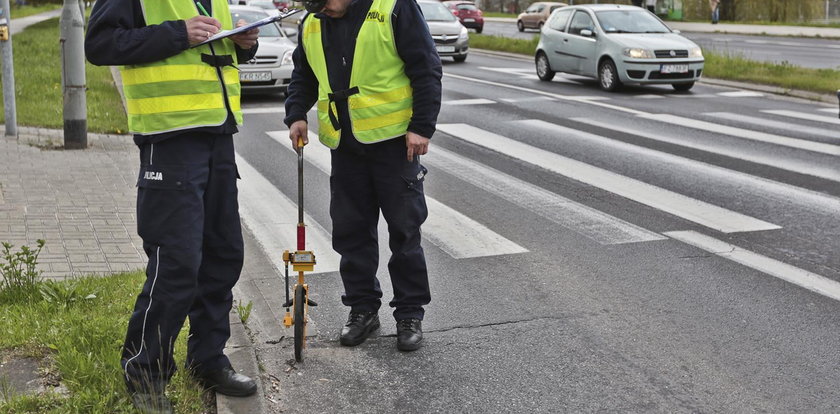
{"x": 587, "y": 33}
{"x": 675, "y": 31}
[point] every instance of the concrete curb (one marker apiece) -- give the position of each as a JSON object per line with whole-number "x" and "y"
{"x": 775, "y": 90}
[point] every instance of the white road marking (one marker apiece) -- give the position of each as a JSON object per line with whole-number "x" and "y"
{"x": 272, "y": 218}
{"x": 468, "y": 102}
{"x": 800, "y": 277}
{"x": 775, "y": 124}
{"x": 830, "y": 173}
{"x": 538, "y": 92}
{"x": 829, "y": 110}
{"x": 649, "y": 96}
{"x": 536, "y": 98}
{"x": 741, "y": 94}
{"x": 693, "y": 96}
{"x": 589, "y": 222}
{"x": 745, "y": 133}
{"x": 522, "y": 73}
{"x": 456, "y": 234}
{"x": 694, "y": 210}
{"x": 803, "y": 115}
{"x": 265, "y": 110}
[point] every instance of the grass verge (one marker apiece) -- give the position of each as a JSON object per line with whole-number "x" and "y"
{"x": 22, "y": 11}
{"x": 79, "y": 340}
{"x": 38, "y": 92}
{"x": 718, "y": 66}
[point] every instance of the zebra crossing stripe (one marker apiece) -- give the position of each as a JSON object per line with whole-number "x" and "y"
{"x": 772, "y": 267}
{"x": 803, "y": 115}
{"x": 264, "y": 110}
{"x": 691, "y": 209}
{"x": 468, "y": 102}
{"x": 751, "y": 120}
{"x": 745, "y": 133}
{"x": 829, "y": 173}
{"x": 829, "y": 110}
{"x": 456, "y": 234}
{"x": 272, "y": 218}
{"x": 589, "y": 222}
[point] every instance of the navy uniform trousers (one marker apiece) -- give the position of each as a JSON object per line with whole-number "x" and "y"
{"x": 365, "y": 179}
{"x": 188, "y": 218}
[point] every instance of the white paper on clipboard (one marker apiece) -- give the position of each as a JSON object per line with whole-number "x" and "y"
{"x": 241, "y": 29}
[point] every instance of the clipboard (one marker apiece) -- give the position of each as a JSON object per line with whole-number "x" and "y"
{"x": 241, "y": 29}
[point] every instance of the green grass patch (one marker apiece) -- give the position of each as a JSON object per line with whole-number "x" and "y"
{"x": 23, "y": 11}
{"x": 38, "y": 92}
{"x": 498, "y": 14}
{"x": 79, "y": 337}
{"x": 504, "y": 44}
{"x": 739, "y": 68}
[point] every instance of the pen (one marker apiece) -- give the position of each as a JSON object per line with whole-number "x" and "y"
{"x": 200, "y": 7}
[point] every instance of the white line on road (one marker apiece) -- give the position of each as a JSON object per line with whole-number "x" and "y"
{"x": 649, "y": 96}
{"x": 456, "y": 234}
{"x": 829, "y": 110}
{"x": 772, "y": 267}
{"x": 596, "y": 225}
{"x": 536, "y": 98}
{"x": 775, "y": 124}
{"x": 830, "y": 173}
{"x": 745, "y": 133}
{"x": 803, "y": 115}
{"x": 265, "y": 110}
{"x": 479, "y": 101}
{"x": 741, "y": 94}
{"x": 272, "y": 218}
{"x": 694, "y": 210}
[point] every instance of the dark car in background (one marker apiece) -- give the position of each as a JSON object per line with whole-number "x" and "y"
{"x": 467, "y": 13}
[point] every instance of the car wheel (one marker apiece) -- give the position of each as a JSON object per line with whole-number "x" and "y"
{"x": 520, "y": 26}
{"x": 683, "y": 87}
{"x": 460, "y": 58}
{"x": 479, "y": 29}
{"x": 544, "y": 71}
{"x": 608, "y": 76}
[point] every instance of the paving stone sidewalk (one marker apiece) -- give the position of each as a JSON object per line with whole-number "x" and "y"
{"x": 81, "y": 202}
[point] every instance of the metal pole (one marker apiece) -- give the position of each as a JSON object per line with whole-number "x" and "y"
{"x": 826, "y": 12}
{"x": 10, "y": 110}
{"x": 73, "y": 75}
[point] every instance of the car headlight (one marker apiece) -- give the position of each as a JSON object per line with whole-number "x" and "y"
{"x": 464, "y": 33}
{"x": 695, "y": 52}
{"x": 638, "y": 53}
{"x": 287, "y": 57}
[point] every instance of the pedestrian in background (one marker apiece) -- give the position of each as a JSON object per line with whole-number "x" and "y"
{"x": 183, "y": 109}
{"x": 714, "y": 5}
{"x": 651, "y": 6}
{"x": 378, "y": 93}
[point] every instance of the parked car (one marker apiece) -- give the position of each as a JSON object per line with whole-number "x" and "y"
{"x": 467, "y": 13}
{"x": 450, "y": 36}
{"x": 271, "y": 68}
{"x": 616, "y": 44}
{"x": 536, "y": 14}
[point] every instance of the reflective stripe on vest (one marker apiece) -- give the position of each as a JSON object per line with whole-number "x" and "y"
{"x": 382, "y": 108}
{"x": 181, "y": 92}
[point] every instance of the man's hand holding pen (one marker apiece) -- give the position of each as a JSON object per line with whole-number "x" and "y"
{"x": 200, "y": 28}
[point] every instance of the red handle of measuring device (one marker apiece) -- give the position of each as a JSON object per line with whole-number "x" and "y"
{"x": 301, "y": 237}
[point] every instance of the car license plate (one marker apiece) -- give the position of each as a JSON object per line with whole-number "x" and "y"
{"x": 445, "y": 49}
{"x": 673, "y": 69}
{"x": 469, "y": 20}
{"x": 254, "y": 76}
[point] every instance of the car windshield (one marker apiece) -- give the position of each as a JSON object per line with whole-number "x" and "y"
{"x": 630, "y": 21}
{"x": 269, "y": 30}
{"x": 262, "y": 4}
{"x": 436, "y": 12}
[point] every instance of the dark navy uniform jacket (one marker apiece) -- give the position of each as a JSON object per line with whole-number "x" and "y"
{"x": 414, "y": 45}
{"x": 110, "y": 41}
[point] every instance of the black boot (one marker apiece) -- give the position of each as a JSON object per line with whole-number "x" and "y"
{"x": 148, "y": 402}
{"x": 409, "y": 334}
{"x": 226, "y": 381}
{"x": 358, "y": 327}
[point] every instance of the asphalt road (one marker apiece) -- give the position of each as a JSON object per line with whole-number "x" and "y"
{"x": 640, "y": 251}
{"x": 805, "y": 52}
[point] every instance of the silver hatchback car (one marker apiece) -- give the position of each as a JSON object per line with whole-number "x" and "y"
{"x": 616, "y": 44}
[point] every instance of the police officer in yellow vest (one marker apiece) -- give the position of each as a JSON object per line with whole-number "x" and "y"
{"x": 372, "y": 68}
{"x": 183, "y": 109}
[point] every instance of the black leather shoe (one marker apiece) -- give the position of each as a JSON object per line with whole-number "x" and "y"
{"x": 226, "y": 381}
{"x": 358, "y": 327}
{"x": 409, "y": 334}
{"x": 151, "y": 402}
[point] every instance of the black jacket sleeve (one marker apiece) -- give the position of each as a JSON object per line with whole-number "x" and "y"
{"x": 303, "y": 88}
{"x": 422, "y": 65}
{"x": 118, "y": 35}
